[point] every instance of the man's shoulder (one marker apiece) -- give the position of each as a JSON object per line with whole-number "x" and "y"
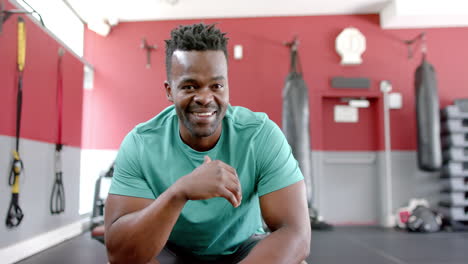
{"x": 242, "y": 117}
{"x": 249, "y": 124}
{"x": 156, "y": 124}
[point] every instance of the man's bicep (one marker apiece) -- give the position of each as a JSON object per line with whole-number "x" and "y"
{"x": 276, "y": 166}
{"x": 119, "y": 205}
{"x": 128, "y": 178}
{"x": 286, "y": 207}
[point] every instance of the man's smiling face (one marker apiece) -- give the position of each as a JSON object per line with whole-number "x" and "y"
{"x": 199, "y": 89}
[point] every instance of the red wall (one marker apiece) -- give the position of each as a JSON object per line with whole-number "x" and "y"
{"x": 39, "y": 115}
{"x": 126, "y": 93}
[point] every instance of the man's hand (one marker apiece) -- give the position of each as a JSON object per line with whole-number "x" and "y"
{"x": 211, "y": 179}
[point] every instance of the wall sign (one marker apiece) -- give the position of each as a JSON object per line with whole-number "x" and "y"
{"x": 346, "y": 114}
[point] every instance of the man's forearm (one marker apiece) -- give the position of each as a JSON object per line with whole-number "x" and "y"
{"x": 140, "y": 236}
{"x": 285, "y": 245}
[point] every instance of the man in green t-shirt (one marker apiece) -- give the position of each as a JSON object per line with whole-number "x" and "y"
{"x": 197, "y": 179}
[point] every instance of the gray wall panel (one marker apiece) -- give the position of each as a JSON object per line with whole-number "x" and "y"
{"x": 36, "y": 187}
{"x": 410, "y": 182}
{"x": 348, "y": 185}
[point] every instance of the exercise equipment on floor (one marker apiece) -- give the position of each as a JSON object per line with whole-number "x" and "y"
{"x": 296, "y": 125}
{"x": 454, "y": 193}
{"x": 57, "y": 197}
{"x": 101, "y": 190}
{"x": 15, "y": 214}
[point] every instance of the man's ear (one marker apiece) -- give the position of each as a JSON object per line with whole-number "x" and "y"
{"x": 168, "y": 91}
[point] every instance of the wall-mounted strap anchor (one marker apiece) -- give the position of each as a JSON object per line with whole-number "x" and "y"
{"x": 410, "y": 43}
{"x": 5, "y": 14}
{"x": 149, "y": 49}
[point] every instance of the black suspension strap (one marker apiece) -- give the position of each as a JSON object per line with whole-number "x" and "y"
{"x": 15, "y": 214}
{"x": 57, "y": 197}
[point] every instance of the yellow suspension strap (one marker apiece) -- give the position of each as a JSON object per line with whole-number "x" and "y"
{"x": 15, "y": 214}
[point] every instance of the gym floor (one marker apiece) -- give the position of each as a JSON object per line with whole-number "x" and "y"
{"x": 349, "y": 245}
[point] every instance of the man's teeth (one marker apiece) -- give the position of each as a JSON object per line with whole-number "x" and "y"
{"x": 204, "y": 114}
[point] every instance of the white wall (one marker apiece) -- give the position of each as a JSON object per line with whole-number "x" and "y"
{"x": 93, "y": 163}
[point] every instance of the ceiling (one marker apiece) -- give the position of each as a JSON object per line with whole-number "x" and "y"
{"x": 138, "y": 10}
{"x": 393, "y": 13}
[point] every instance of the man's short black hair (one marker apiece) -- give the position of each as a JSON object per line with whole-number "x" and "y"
{"x": 198, "y": 37}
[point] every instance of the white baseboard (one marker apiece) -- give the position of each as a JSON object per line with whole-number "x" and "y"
{"x": 27, "y": 248}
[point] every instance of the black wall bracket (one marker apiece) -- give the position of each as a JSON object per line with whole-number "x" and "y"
{"x": 422, "y": 38}
{"x": 148, "y": 48}
{"x": 5, "y": 14}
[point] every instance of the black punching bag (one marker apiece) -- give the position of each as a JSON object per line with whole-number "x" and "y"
{"x": 296, "y": 120}
{"x": 428, "y": 118}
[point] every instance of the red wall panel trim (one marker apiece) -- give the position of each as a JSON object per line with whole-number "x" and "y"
{"x": 39, "y": 115}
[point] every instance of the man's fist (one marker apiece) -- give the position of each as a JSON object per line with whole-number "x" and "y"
{"x": 212, "y": 179}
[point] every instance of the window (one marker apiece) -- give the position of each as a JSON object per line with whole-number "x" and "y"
{"x": 60, "y": 20}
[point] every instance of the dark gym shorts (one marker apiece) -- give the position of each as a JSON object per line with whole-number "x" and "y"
{"x": 172, "y": 254}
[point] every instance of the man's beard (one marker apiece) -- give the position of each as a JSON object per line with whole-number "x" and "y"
{"x": 205, "y": 130}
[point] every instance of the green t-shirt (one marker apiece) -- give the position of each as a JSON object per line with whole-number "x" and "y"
{"x": 153, "y": 156}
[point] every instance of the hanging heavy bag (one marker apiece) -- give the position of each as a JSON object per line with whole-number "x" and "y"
{"x": 428, "y": 118}
{"x": 296, "y": 120}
